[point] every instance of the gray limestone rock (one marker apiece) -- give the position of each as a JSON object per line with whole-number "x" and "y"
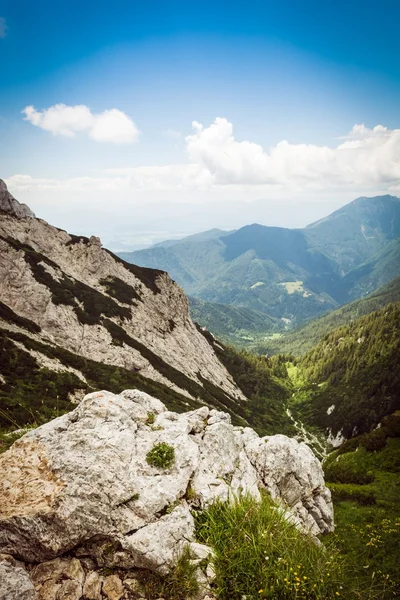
{"x": 82, "y": 483}
{"x": 92, "y": 587}
{"x": 290, "y": 471}
{"x": 158, "y": 318}
{"x": 15, "y": 583}
{"x": 11, "y": 206}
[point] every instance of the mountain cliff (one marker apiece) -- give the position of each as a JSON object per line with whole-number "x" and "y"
{"x": 65, "y": 301}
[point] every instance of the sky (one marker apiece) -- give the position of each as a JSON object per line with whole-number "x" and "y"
{"x": 140, "y": 121}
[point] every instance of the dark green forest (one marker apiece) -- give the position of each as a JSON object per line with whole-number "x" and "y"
{"x": 355, "y": 369}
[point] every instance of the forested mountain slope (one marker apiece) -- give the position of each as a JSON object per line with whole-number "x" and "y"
{"x": 233, "y": 324}
{"x": 357, "y": 231}
{"x": 289, "y": 274}
{"x": 351, "y": 379}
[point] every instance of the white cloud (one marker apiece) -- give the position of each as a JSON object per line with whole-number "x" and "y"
{"x": 112, "y": 125}
{"x": 368, "y": 156}
{"x": 152, "y": 178}
{"x": 26, "y": 183}
{"x": 3, "y": 27}
{"x": 365, "y": 161}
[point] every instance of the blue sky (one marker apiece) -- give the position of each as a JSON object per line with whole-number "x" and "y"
{"x": 276, "y": 86}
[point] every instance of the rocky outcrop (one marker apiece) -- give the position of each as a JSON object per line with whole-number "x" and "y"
{"x": 11, "y": 206}
{"x": 83, "y": 485}
{"x": 91, "y": 303}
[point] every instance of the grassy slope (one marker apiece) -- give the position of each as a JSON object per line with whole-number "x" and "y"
{"x": 259, "y": 554}
{"x": 368, "y": 532}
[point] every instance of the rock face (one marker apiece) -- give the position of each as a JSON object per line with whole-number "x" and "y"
{"x": 11, "y": 206}
{"x": 88, "y": 301}
{"x": 82, "y": 484}
{"x": 15, "y": 583}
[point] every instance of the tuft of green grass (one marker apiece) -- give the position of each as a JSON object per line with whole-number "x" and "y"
{"x": 260, "y": 554}
{"x": 190, "y": 493}
{"x": 162, "y": 455}
{"x": 180, "y": 584}
{"x": 151, "y": 417}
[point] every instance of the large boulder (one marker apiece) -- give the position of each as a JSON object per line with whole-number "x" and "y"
{"x": 83, "y": 483}
{"x": 290, "y": 472}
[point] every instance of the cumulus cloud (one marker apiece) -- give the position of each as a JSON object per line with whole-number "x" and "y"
{"x": 363, "y": 161}
{"x": 112, "y": 126}
{"x": 3, "y": 27}
{"x": 368, "y": 156}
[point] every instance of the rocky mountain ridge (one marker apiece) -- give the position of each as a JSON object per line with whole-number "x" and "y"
{"x": 11, "y": 206}
{"x": 83, "y": 493}
{"x": 82, "y": 298}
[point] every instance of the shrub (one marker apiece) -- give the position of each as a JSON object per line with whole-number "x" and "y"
{"x": 376, "y": 440}
{"x": 348, "y": 491}
{"x": 346, "y": 468}
{"x": 260, "y": 554}
{"x": 348, "y": 446}
{"x": 161, "y": 455}
{"x": 119, "y": 289}
{"x": 391, "y": 424}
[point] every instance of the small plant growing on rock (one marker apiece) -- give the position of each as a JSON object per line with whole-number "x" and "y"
{"x": 180, "y": 584}
{"x": 162, "y": 455}
{"x": 190, "y": 493}
{"x": 150, "y": 418}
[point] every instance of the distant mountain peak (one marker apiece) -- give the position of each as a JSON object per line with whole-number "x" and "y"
{"x": 11, "y": 206}
{"x": 362, "y": 202}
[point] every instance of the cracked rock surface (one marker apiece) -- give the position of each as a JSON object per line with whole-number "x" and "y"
{"x": 11, "y": 206}
{"x": 81, "y": 484}
{"x": 15, "y": 583}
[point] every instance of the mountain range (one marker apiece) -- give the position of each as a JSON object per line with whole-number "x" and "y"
{"x": 288, "y": 274}
{"x": 76, "y": 319}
